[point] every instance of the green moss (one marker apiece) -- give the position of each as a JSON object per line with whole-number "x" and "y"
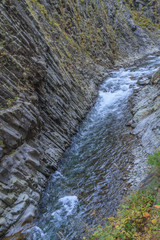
{"x": 141, "y": 20}
{"x": 72, "y": 29}
{"x": 139, "y": 16}
{"x": 1, "y": 143}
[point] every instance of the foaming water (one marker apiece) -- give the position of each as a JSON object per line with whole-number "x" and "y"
{"x": 67, "y": 205}
{"x": 93, "y": 175}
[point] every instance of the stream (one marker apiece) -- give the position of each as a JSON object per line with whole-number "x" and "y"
{"x": 93, "y": 175}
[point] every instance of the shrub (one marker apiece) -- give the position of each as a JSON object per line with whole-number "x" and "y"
{"x": 154, "y": 160}
{"x": 138, "y": 216}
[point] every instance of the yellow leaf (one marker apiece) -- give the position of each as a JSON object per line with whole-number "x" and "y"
{"x": 154, "y": 221}
{"x": 93, "y": 213}
{"x": 3, "y": 53}
{"x": 146, "y": 215}
{"x": 111, "y": 218}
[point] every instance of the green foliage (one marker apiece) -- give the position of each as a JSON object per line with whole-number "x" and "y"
{"x": 134, "y": 219}
{"x": 11, "y": 101}
{"x": 1, "y": 143}
{"x": 141, "y": 20}
{"x": 73, "y": 29}
{"x": 139, "y": 215}
{"x": 139, "y": 15}
{"x": 154, "y": 160}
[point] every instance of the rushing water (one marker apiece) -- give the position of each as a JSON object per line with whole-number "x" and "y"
{"x": 92, "y": 177}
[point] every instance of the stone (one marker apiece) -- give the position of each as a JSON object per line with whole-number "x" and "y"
{"x": 156, "y": 77}
{"x": 23, "y": 197}
{"x": 28, "y": 215}
{"x": 18, "y": 208}
{"x": 8, "y": 199}
{"x": 129, "y": 123}
{"x": 1, "y": 152}
{"x": 3, "y": 225}
{"x": 143, "y": 81}
{"x": 104, "y": 90}
{"x": 146, "y": 117}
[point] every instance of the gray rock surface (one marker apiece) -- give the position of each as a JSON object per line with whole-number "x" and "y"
{"x": 145, "y": 126}
{"x": 156, "y": 77}
{"x": 147, "y": 117}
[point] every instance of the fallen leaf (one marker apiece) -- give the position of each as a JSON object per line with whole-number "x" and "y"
{"x": 3, "y": 53}
{"x": 146, "y": 215}
{"x": 93, "y": 213}
{"x": 154, "y": 221}
{"x": 157, "y": 206}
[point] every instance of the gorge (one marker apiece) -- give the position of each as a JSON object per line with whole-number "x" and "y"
{"x": 104, "y": 162}
{"x": 53, "y": 56}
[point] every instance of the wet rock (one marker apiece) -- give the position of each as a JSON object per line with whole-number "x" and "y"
{"x": 143, "y": 81}
{"x": 29, "y": 215}
{"x": 3, "y": 225}
{"x": 129, "y": 123}
{"x": 18, "y": 208}
{"x": 156, "y": 77}
{"x": 146, "y": 116}
{"x": 23, "y": 197}
{"x": 1, "y": 152}
{"x": 104, "y": 90}
{"x": 146, "y": 120}
{"x": 8, "y": 199}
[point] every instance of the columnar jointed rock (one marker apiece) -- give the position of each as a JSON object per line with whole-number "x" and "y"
{"x": 156, "y": 77}
{"x": 146, "y": 115}
{"x": 48, "y": 81}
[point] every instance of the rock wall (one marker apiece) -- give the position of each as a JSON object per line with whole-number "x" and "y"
{"x": 146, "y": 113}
{"x": 53, "y": 55}
{"x": 147, "y": 8}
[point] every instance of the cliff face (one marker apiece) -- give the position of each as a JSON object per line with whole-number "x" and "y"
{"x": 146, "y": 113}
{"x": 53, "y": 54}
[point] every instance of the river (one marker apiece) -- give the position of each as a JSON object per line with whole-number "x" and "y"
{"x": 93, "y": 175}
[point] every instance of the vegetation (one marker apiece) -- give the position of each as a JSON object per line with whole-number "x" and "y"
{"x": 72, "y": 29}
{"x": 139, "y": 214}
{"x": 11, "y": 101}
{"x": 1, "y": 143}
{"x": 154, "y": 160}
{"x": 141, "y": 18}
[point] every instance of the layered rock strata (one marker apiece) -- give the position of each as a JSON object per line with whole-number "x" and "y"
{"x": 146, "y": 114}
{"x": 53, "y": 55}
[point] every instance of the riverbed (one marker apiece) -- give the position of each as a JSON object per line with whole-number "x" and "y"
{"x": 94, "y": 174}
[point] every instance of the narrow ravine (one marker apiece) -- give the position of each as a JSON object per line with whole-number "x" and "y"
{"x": 93, "y": 175}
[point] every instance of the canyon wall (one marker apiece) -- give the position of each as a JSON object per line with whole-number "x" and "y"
{"x": 53, "y": 55}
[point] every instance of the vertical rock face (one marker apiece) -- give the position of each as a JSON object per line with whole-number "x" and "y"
{"x": 146, "y": 114}
{"x": 53, "y": 54}
{"x": 150, "y": 9}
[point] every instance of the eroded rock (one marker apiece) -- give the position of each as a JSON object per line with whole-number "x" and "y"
{"x": 48, "y": 82}
{"x": 156, "y": 77}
